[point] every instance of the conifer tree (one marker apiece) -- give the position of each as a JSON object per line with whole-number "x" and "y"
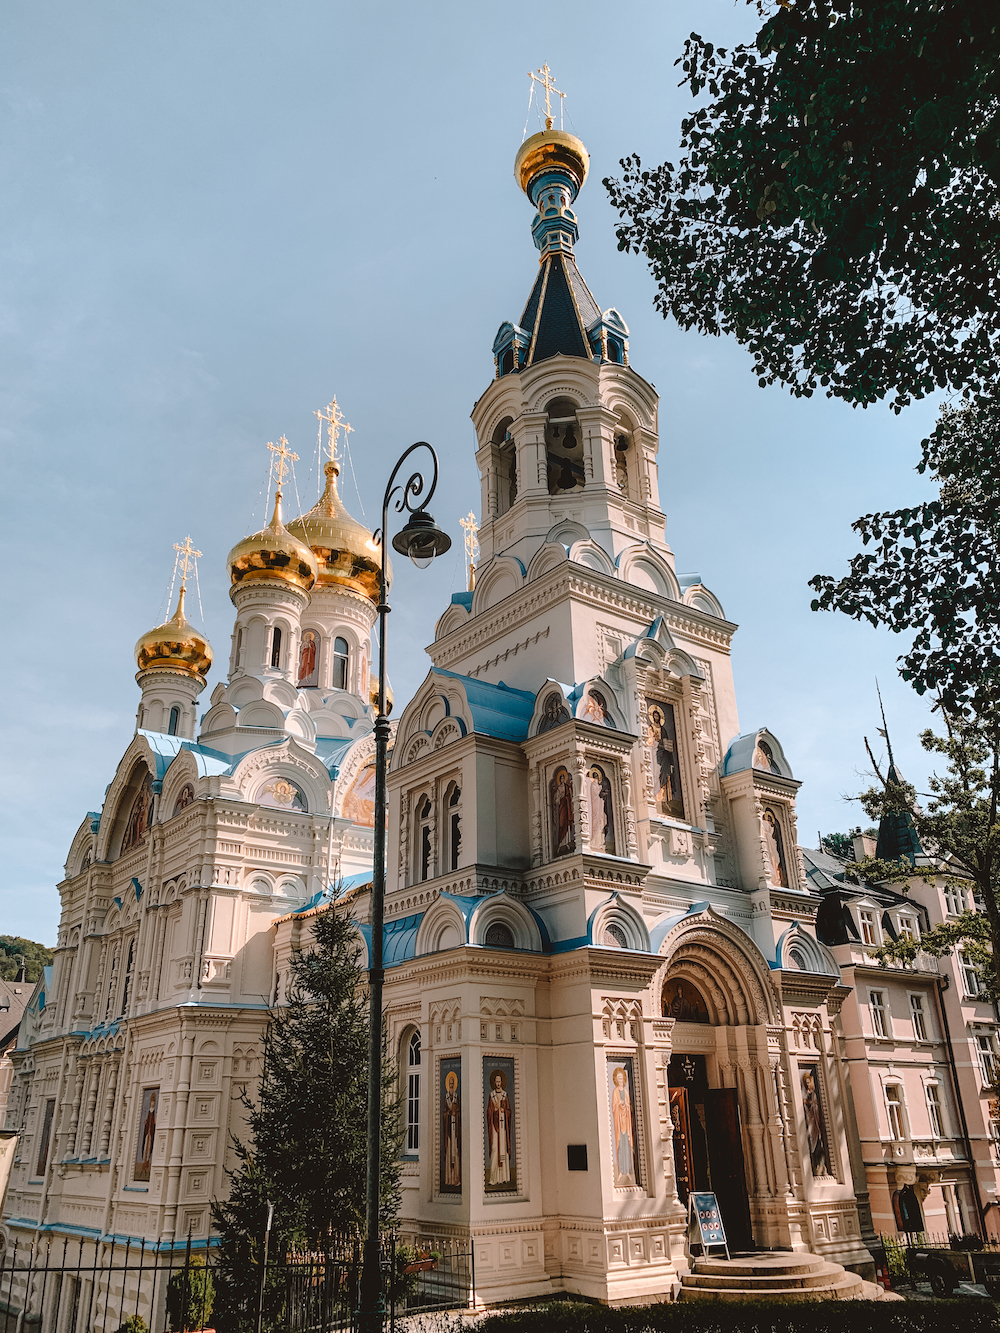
{"x": 306, "y": 1149}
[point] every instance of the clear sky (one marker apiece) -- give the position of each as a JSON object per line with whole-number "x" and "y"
{"x": 215, "y": 216}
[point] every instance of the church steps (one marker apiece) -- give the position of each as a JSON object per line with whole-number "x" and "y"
{"x": 802, "y": 1278}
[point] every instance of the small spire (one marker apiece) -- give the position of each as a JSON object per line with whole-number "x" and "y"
{"x": 883, "y": 730}
{"x": 471, "y": 527}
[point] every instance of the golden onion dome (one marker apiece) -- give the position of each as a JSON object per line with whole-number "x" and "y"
{"x": 174, "y": 646}
{"x": 551, "y": 150}
{"x": 272, "y": 556}
{"x": 345, "y": 552}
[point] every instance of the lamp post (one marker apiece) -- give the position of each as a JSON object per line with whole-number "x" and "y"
{"x": 421, "y": 540}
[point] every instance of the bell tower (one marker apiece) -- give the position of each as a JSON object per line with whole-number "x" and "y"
{"x": 568, "y": 430}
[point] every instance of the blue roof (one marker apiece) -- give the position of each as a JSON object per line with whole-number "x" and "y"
{"x": 331, "y": 751}
{"x": 399, "y": 938}
{"x": 326, "y": 895}
{"x": 210, "y": 762}
{"x": 462, "y": 599}
{"x": 497, "y": 710}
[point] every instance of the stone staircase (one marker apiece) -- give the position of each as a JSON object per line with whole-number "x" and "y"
{"x": 774, "y": 1276}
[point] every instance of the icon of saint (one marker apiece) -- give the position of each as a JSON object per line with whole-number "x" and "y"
{"x": 498, "y": 1128}
{"x": 621, "y": 1119}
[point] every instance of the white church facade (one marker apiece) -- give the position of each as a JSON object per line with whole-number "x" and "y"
{"x": 603, "y": 979}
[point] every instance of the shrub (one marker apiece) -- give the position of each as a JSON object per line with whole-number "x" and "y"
{"x": 134, "y": 1324}
{"x": 190, "y": 1296}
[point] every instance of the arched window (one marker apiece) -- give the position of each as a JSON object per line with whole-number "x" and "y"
{"x": 175, "y": 717}
{"x": 615, "y": 937}
{"x": 454, "y": 827}
{"x": 499, "y": 936}
{"x": 563, "y": 447}
{"x": 238, "y": 659}
{"x": 341, "y": 661}
{"x": 127, "y": 985}
{"x": 413, "y": 1094}
{"x": 424, "y": 845}
{"x": 276, "y": 647}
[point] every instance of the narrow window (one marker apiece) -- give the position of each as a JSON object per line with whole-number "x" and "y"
{"x": 919, "y": 1017}
{"x": 868, "y": 935}
{"x": 276, "y": 647}
{"x": 113, "y": 971}
{"x": 413, "y": 1094}
{"x": 239, "y": 648}
{"x": 341, "y": 661}
{"x": 175, "y": 717}
{"x": 954, "y": 901}
{"x": 127, "y": 986}
{"x": 455, "y": 826}
{"x": 907, "y": 928}
{"x": 970, "y": 976}
{"x": 894, "y": 1104}
{"x": 44, "y": 1136}
{"x": 425, "y": 839}
{"x": 880, "y": 1019}
{"x": 987, "y": 1058}
{"x": 934, "y": 1111}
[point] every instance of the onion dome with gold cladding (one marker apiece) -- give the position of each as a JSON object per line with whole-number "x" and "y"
{"x": 346, "y": 554}
{"x": 174, "y": 646}
{"x": 273, "y": 555}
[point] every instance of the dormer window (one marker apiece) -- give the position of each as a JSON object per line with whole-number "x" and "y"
{"x": 341, "y": 663}
{"x": 869, "y": 934}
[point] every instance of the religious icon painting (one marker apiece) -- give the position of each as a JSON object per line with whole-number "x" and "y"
{"x": 563, "y": 813}
{"x": 308, "y": 660}
{"x": 498, "y": 1126}
{"x": 600, "y": 810}
{"x": 624, "y": 1126}
{"x": 138, "y": 820}
{"x": 146, "y": 1138}
{"x": 359, "y": 800}
{"x": 812, "y": 1105}
{"x": 662, "y": 740}
{"x": 451, "y": 1125}
{"x": 775, "y": 843}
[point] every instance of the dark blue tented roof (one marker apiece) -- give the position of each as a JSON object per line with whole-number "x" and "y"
{"x": 559, "y": 329}
{"x": 897, "y": 838}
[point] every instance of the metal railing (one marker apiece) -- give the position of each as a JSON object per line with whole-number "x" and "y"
{"x": 64, "y": 1284}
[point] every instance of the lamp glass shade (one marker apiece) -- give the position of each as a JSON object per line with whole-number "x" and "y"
{"x": 421, "y": 539}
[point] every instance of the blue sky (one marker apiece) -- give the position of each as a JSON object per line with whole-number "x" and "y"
{"x": 214, "y": 217}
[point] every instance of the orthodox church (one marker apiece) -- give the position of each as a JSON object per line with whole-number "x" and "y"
{"x": 604, "y": 985}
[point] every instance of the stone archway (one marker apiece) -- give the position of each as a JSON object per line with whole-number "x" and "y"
{"x": 724, "y": 1076}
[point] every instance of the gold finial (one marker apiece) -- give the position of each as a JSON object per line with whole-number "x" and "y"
{"x": 185, "y": 559}
{"x": 335, "y": 423}
{"x": 546, "y": 78}
{"x": 282, "y": 460}
{"x": 471, "y": 545}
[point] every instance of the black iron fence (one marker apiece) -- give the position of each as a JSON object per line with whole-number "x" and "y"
{"x": 972, "y": 1258}
{"x": 62, "y": 1284}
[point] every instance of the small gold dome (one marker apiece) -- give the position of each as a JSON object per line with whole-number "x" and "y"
{"x": 175, "y": 646}
{"x": 346, "y": 555}
{"x": 272, "y": 556}
{"x": 548, "y": 150}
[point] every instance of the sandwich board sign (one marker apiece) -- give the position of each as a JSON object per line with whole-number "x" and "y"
{"x": 705, "y": 1226}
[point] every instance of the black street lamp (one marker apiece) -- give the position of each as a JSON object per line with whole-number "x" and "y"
{"x": 421, "y": 539}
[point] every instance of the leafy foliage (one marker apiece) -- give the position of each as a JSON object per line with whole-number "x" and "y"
{"x": 133, "y": 1324}
{"x": 960, "y": 830}
{"x": 307, "y": 1145}
{"x": 190, "y": 1296}
{"x": 934, "y": 568}
{"x": 834, "y": 206}
{"x": 35, "y": 956}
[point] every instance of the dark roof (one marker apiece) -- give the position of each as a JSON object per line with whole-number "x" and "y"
{"x": 897, "y": 838}
{"x": 560, "y": 309}
{"x": 14, "y": 997}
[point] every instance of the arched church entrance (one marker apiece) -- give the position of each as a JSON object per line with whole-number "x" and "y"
{"x": 722, "y": 1096}
{"x": 707, "y": 1136}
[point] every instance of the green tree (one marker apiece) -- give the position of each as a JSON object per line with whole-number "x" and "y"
{"x": 933, "y": 568}
{"x": 14, "y": 950}
{"x": 834, "y": 205}
{"x": 306, "y": 1150}
{"x": 190, "y": 1295}
{"x": 959, "y": 829}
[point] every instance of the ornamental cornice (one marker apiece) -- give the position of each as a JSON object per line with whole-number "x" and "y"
{"x": 591, "y": 586}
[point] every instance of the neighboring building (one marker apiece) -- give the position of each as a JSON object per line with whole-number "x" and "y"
{"x": 919, "y": 1045}
{"x": 14, "y": 996}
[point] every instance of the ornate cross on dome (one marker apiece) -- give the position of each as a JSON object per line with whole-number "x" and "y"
{"x": 282, "y": 459}
{"x": 471, "y": 545}
{"x": 546, "y": 78}
{"x": 186, "y": 558}
{"x": 335, "y": 423}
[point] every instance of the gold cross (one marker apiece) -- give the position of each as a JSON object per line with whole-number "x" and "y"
{"x": 471, "y": 545}
{"x": 186, "y": 557}
{"x": 283, "y": 458}
{"x": 546, "y": 78}
{"x": 335, "y": 423}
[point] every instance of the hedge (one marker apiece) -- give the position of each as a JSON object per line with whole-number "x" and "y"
{"x": 560, "y": 1316}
